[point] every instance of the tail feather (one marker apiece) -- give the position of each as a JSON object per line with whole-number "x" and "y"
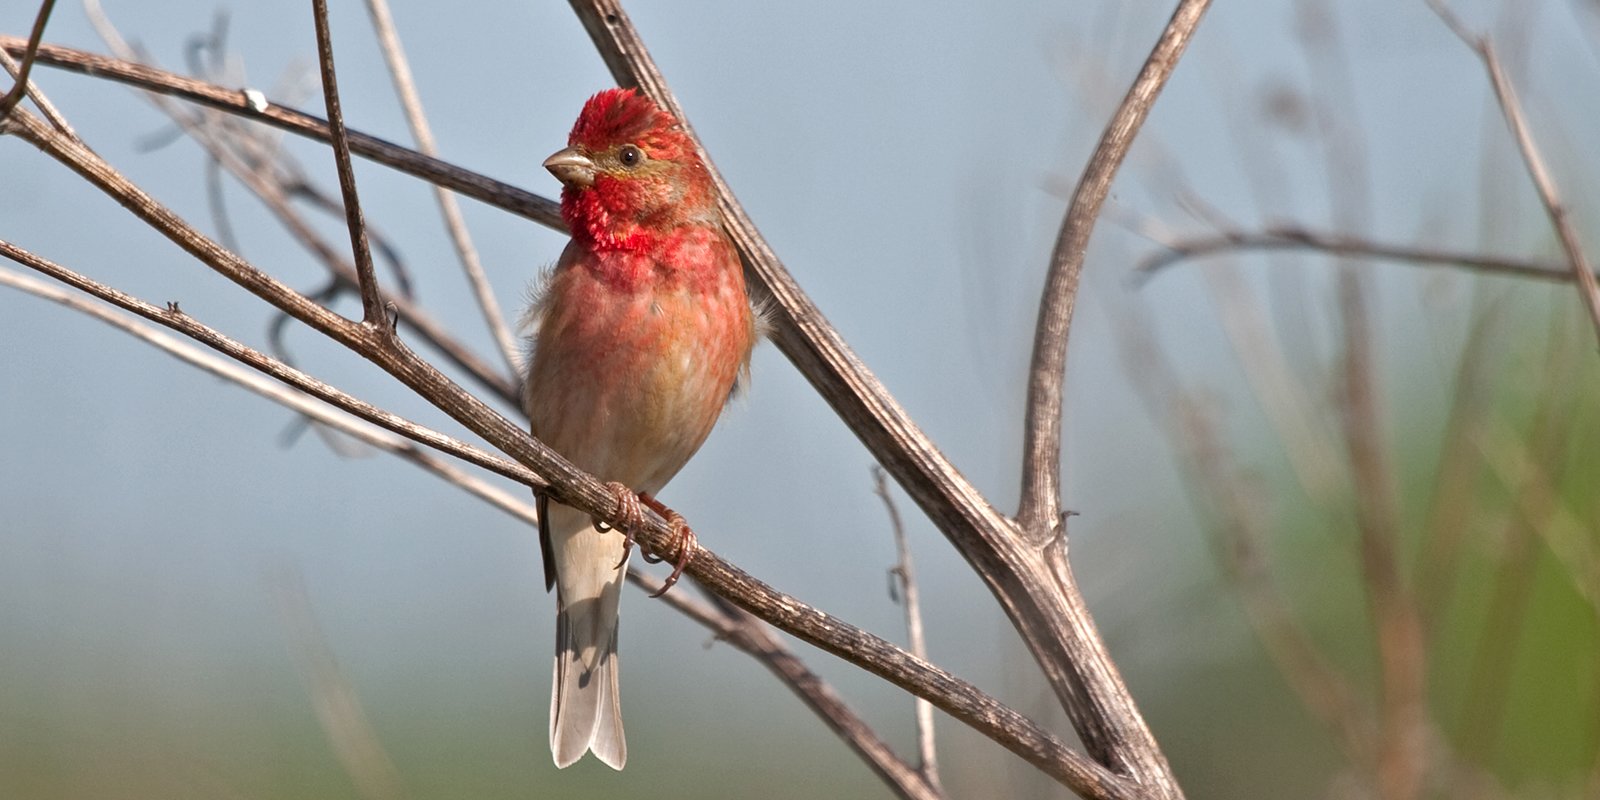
{"x": 585, "y": 706}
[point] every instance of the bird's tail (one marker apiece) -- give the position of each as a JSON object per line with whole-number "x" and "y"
{"x": 585, "y": 708}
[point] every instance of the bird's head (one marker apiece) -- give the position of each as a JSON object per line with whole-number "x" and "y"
{"x": 630, "y": 172}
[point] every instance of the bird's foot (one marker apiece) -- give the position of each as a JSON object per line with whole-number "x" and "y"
{"x": 684, "y": 542}
{"x": 631, "y": 514}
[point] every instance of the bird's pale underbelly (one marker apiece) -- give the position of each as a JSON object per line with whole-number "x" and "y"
{"x": 630, "y": 388}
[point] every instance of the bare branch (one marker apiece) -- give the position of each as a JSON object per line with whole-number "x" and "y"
{"x": 251, "y": 104}
{"x": 174, "y": 318}
{"x": 21, "y": 86}
{"x": 568, "y": 485}
{"x": 400, "y": 71}
{"x": 46, "y": 108}
{"x": 903, "y": 581}
{"x": 1549, "y": 194}
{"x": 372, "y": 309}
{"x": 253, "y": 170}
{"x": 751, "y": 636}
{"x": 1033, "y": 584}
{"x": 1040, "y": 506}
{"x": 1338, "y": 244}
{"x": 729, "y": 623}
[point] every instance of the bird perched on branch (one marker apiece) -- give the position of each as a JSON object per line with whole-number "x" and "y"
{"x": 641, "y": 333}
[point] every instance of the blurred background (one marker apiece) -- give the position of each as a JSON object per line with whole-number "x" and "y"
{"x": 174, "y": 551}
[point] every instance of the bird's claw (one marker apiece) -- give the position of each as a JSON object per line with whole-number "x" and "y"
{"x": 631, "y": 506}
{"x": 684, "y": 543}
{"x": 630, "y": 512}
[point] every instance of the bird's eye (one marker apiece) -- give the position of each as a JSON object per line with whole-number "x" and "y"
{"x": 630, "y": 156}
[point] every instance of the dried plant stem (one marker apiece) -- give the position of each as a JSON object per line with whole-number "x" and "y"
{"x": 49, "y": 111}
{"x": 400, "y": 72}
{"x": 1239, "y": 520}
{"x": 373, "y": 313}
{"x": 174, "y": 318}
{"x": 1338, "y": 244}
{"x": 235, "y": 101}
{"x": 21, "y": 86}
{"x": 903, "y": 578}
{"x": 751, "y": 636}
{"x": 1549, "y": 194}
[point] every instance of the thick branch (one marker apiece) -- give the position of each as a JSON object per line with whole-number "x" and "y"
{"x": 1032, "y": 584}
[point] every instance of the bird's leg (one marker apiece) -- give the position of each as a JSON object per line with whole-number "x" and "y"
{"x": 684, "y": 541}
{"x": 632, "y": 514}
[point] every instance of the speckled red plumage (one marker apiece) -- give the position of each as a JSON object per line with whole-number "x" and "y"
{"x": 643, "y": 329}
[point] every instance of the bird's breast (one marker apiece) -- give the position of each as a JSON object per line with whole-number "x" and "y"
{"x": 627, "y": 382}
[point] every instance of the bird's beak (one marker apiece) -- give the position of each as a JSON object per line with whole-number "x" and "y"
{"x": 571, "y": 168}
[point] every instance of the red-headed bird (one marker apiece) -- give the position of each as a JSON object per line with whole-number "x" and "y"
{"x": 642, "y": 331}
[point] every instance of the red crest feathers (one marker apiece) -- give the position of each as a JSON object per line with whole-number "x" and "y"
{"x": 616, "y": 116}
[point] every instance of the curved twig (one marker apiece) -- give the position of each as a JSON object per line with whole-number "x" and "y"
{"x": 1040, "y": 506}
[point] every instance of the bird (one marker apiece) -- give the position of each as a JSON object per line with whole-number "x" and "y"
{"x": 642, "y": 332}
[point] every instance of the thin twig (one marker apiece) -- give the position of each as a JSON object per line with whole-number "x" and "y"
{"x": 1338, "y": 244}
{"x": 748, "y": 634}
{"x": 1039, "y": 509}
{"x": 1549, "y": 194}
{"x": 176, "y": 319}
{"x": 266, "y": 185}
{"x": 21, "y": 86}
{"x": 903, "y": 582}
{"x": 251, "y": 104}
{"x": 303, "y": 403}
{"x": 45, "y": 106}
{"x": 570, "y": 486}
{"x": 400, "y": 72}
{"x": 372, "y": 307}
